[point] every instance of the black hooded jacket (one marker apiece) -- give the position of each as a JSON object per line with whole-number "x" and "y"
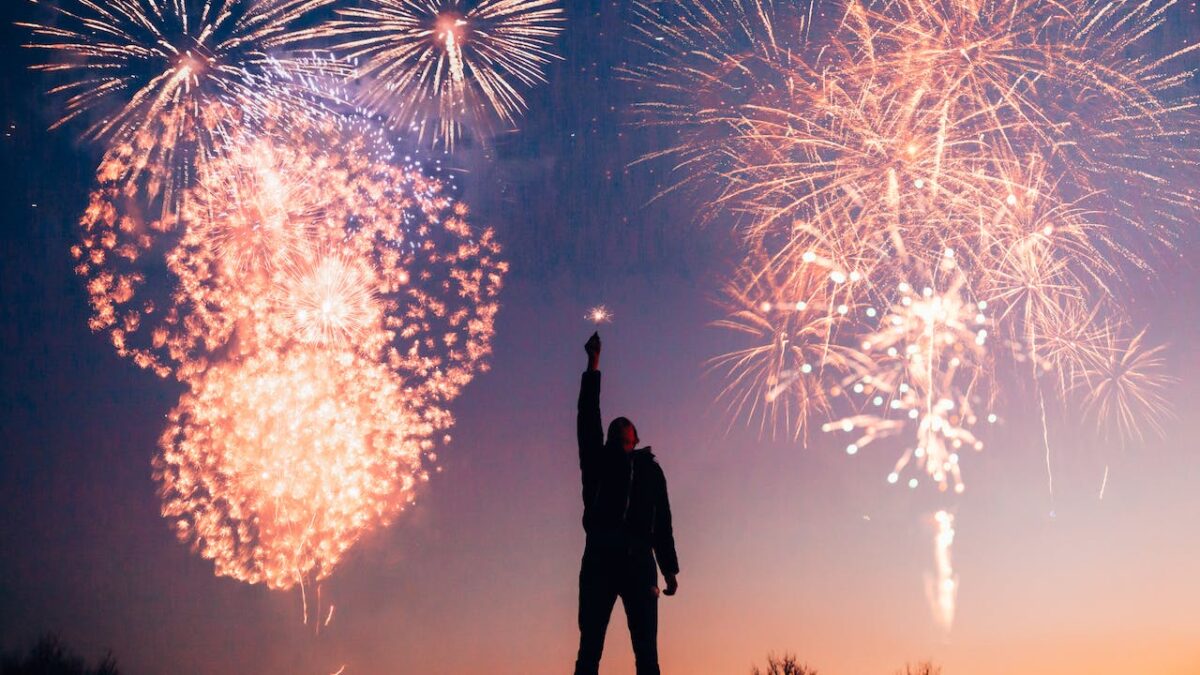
{"x": 624, "y": 494}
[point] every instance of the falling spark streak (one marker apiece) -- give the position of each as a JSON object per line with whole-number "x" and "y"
{"x": 942, "y": 589}
{"x": 1046, "y": 443}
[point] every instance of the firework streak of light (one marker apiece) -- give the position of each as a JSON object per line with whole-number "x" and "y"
{"x": 942, "y": 201}
{"x": 440, "y": 69}
{"x": 942, "y": 587}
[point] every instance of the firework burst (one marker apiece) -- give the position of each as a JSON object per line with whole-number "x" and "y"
{"x": 957, "y": 193}
{"x": 324, "y": 306}
{"x": 274, "y": 465}
{"x": 441, "y": 67}
{"x": 1005, "y": 142}
{"x": 164, "y": 77}
{"x": 334, "y": 244}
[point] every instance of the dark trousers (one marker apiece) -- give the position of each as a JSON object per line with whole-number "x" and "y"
{"x": 605, "y": 576}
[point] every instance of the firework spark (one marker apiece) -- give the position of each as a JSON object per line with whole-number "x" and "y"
{"x": 441, "y": 68}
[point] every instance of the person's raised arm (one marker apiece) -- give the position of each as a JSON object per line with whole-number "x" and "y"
{"x": 588, "y": 425}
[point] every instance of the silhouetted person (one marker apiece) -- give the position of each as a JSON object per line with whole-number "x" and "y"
{"x": 627, "y": 518}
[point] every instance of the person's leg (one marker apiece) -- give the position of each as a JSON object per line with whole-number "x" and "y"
{"x": 597, "y": 595}
{"x": 640, "y": 599}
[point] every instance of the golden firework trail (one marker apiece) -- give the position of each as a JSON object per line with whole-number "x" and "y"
{"x": 942, "y": 587}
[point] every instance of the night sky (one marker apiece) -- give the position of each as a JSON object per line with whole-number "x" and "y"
{"x": 783, "y": 548}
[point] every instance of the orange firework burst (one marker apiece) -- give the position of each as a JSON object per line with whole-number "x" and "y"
{"x": 1008, "y": 142}
{"x": 274, "y": 465}
{"x": 1124, "y": 382}
{"x": 324, "y": 307}
{"x": 333, "y": 244}
{"x": 439, "y": 67}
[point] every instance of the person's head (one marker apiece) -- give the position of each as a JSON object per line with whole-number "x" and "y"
{"x": 622, "y": 434}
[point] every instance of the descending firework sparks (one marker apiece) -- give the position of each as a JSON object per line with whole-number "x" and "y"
{"x": 440, "y": 67}
{"x": 942, "y": 587}
{"x": 924, "y": 372}
{"x": 165, "y": 76}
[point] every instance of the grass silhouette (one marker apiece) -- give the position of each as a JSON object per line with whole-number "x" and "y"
{"x": 788, "y": 665}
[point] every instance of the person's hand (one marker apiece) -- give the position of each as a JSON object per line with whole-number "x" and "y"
{"x": 593, "y": 351}
{"x": 672, "y": 585}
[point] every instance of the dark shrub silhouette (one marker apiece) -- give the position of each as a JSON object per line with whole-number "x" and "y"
{"x": 49, "y": 656}
{"x": 785, "y": 665}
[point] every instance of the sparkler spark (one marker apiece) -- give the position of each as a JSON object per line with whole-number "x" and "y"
{"x": 441, "y": 69}
{"x": 599, "y": 314}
